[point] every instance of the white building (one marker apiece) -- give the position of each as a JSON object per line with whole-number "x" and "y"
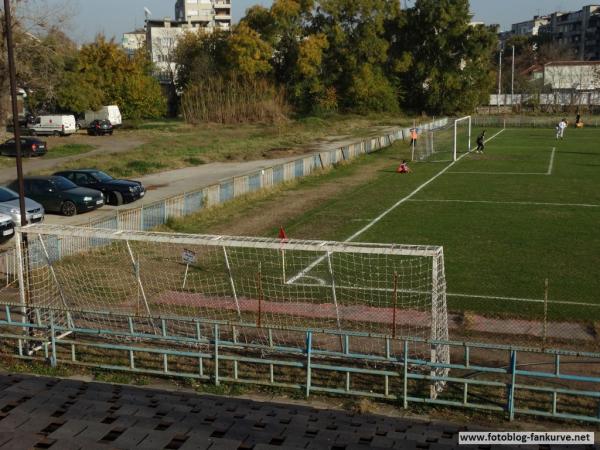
{"x": 529, "y": 27}
{"x": 161, "y": 36}
{"x": 133, "y": 41}
{"x": 572, "y": 75}
{"x": 216, "y": 11}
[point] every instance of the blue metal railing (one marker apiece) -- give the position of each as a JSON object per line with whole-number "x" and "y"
{"x": 378, "y": 366}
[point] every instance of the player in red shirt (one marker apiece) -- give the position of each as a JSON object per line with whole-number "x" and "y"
{"x": 403, "y": 168}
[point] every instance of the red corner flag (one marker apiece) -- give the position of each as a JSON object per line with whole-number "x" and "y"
{"x": 282, "y": 234}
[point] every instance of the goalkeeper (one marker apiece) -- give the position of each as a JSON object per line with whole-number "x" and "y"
{"x": 481, "y": 142}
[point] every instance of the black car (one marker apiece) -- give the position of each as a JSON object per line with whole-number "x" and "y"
{"x": 29, "y": 147}
{"x": 116, "y": 192}
{"x": 100, "y": 128}
{"x": 57, "y": 194}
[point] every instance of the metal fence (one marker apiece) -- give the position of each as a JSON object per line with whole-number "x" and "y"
{"x": 151, "y": 215}
{"x": 506, "y": 380}
{"x": 523, "y": 121}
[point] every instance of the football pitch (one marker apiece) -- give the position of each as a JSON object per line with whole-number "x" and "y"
{"x": 526, "y": 210}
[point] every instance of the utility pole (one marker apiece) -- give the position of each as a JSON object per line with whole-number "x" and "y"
{"x": 23, "y": 250}
{"x": 499, "y": 76}
{"x": 512, "y": 82}
{"x": 15, "y": 109}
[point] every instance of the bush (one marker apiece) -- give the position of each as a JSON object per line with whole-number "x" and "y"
{"x": 240, "y": 100}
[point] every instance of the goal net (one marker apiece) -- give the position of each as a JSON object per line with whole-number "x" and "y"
{"x": 392, "y": 291}
{"x": 443, "y": 144}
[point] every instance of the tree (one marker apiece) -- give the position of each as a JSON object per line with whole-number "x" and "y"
{"x": 199, "y": 55}
{"x": 247, "y": 54}
{"x": 102, "y": 74}
{"x": 39, "y": 51}
{"x": 357, "y": 55}
{"x": 451, "y": 69}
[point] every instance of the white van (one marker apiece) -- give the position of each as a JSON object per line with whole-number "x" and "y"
{"x": 53, "y": 125}
{"x": 110, "y": 113}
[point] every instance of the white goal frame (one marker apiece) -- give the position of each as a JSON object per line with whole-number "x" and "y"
{"x": 456, "y": 122}
{"x": 71, "y": 241}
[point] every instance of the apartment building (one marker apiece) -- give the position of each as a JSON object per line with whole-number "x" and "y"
{"x": 579, "y": 30}
{"x": 529, "y": 27}
{"x": 217, "y": 12}
{"x": 133, "y": 41}
{"x": 161, "y": 36}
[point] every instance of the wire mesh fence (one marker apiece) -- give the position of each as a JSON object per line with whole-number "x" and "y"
{"x": 524, "y": 121}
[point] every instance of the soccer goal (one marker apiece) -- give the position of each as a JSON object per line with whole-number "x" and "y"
{"x": 462, "y": 136}
{"x": 390, "y": 291}
{"x": 443, "y": 144}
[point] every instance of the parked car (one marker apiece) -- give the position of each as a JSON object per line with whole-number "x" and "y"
{"x": 100, "y": 128}
{"x": 7, "y": 228}
{"x": 116, "y": 192}
{"x": 57, "y": 194}
{"x": 29, "y": 147}
{"x": 110, "y": 113}
{"x": 9, "y": 205}
{"x": 57, "y": 125}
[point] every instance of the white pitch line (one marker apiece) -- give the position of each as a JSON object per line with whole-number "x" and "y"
{"x": 449, "y": 294}
{"x": 525, "y": 300}
{"x": 547, "y": 173}
{"x": 499, "y": 173}
{"x": 493, "y": 202}
{"x": 551, "y": 165}
{"x": 385, "y": 213}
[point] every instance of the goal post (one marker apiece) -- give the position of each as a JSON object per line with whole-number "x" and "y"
{"x": 458, "y": 145}
{"x": 382, "y": 291}
{"x": 444, "y": 143}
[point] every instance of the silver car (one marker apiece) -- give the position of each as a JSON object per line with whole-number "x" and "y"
{"x": 9, "y": 205}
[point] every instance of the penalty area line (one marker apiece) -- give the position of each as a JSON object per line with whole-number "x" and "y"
{"x": 385, "y": 213}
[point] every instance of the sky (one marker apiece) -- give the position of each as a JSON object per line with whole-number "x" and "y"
{"x": 113, "y": 17}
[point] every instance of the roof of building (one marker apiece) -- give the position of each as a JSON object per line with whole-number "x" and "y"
{"x": 573, "y": 63}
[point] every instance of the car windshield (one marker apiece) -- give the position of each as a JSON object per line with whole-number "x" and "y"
{"x": 62, "y": 184}
{"x": 6, "y": 195}
{"x": 101, "y": 176}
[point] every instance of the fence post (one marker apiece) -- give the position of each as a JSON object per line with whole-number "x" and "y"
{"x": 405, "y": 381}
{"x": 52, "y": 340}
{"x": 308, "y": 361}
{"x": 216, "y": 338}
{"x": 511, "y": 388}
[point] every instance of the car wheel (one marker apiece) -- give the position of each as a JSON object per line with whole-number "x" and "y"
{"x": 68, "y": 208}
{"x": 56, "y": 134}
{"x": 33, "y": 133}
{"x": 110, "y": 133}
{"x": 116, "y": 198}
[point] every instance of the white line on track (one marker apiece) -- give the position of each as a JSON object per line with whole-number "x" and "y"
{"x": 322, "y": 284}
{"x": 525, "y": 300}
{"x": 385, "y": 213}
{"x": 493, "y": 202}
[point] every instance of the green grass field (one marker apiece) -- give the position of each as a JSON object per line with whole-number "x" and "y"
{"x": 526, "y": 210}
